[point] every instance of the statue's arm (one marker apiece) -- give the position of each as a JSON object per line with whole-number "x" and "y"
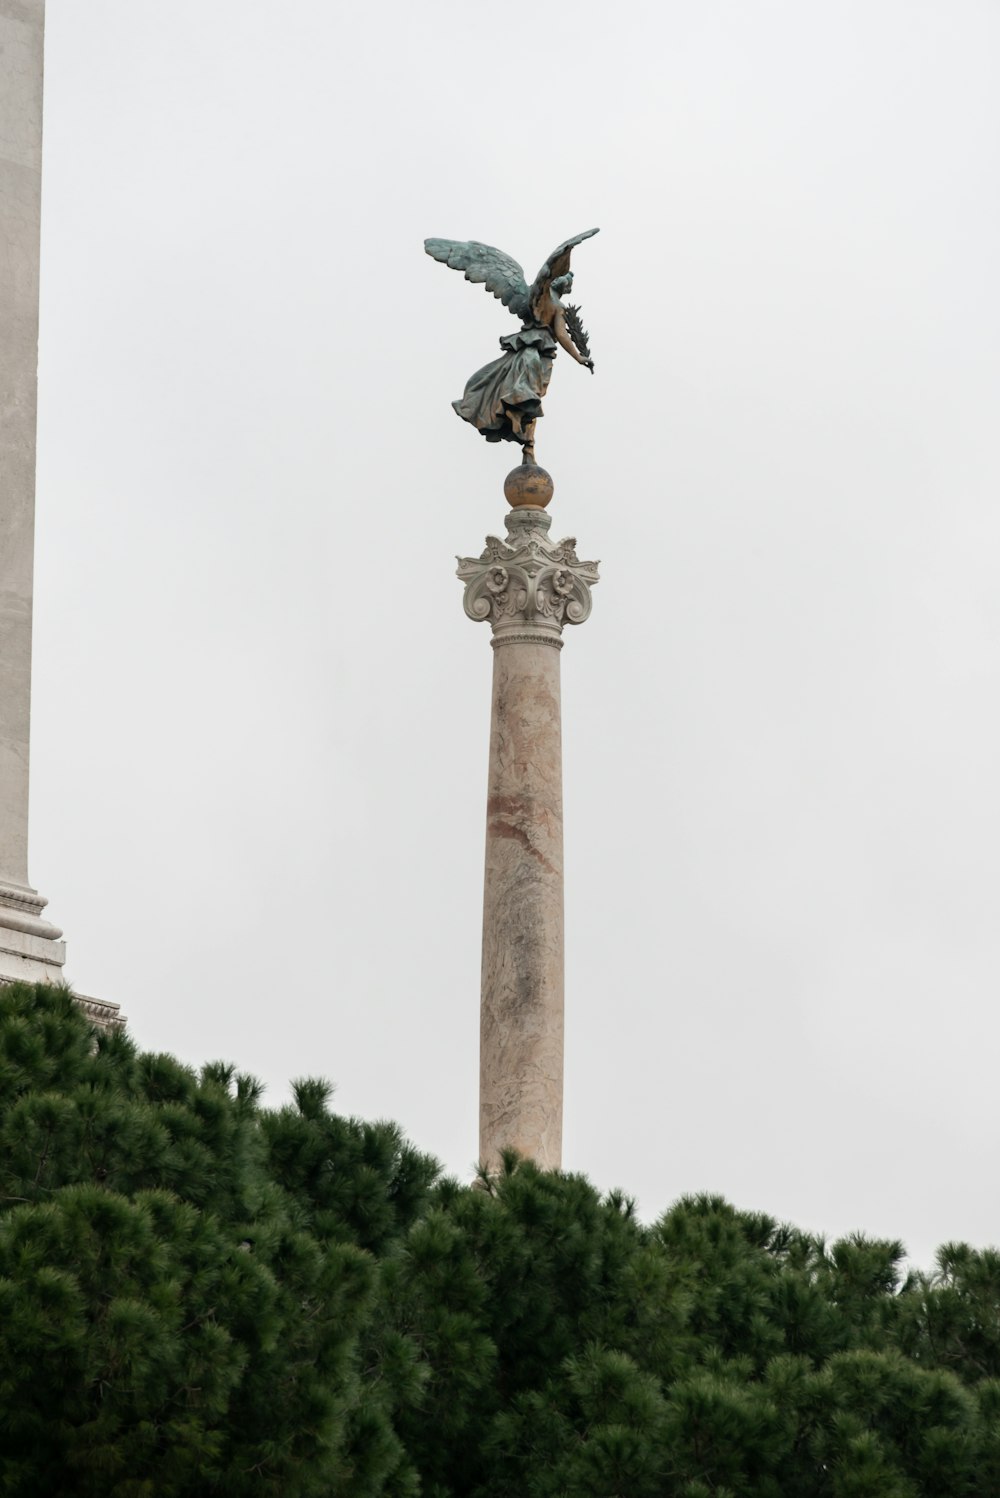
{"x": 561, "y": 331}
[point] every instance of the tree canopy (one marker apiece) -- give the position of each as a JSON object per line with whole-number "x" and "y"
{"x": 202, "y": 1295}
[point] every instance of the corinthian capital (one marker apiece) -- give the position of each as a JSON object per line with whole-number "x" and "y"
{"x": 528, "y": 587}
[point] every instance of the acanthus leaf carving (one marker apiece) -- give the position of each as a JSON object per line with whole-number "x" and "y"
{"x": 528, "y": 580}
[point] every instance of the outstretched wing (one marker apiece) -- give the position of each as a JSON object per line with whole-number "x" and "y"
{"x": 557, "y": 264}
{"x": 482, "y": 263}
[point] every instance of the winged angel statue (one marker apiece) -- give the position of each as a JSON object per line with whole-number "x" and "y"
{"x": 503, "y": 400}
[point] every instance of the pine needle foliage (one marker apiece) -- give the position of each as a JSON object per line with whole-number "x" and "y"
{"x": 182, "y": 1292}
{"x": 200, "y": 1295}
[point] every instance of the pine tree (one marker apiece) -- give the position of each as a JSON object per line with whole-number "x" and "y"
{"x": 199, "y": 1295}
{"x": 174, "y": 1319}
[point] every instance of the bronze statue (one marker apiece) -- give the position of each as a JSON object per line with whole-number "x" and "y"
{"x": 503, "y": 400}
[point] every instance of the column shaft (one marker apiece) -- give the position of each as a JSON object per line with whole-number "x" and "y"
{"x": 21, "y": 39}
{"x": 521, "y": 1034}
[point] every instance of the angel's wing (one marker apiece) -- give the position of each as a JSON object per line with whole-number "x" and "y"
{"x": 557, "y": 264}
{"x": 481, "y": 262}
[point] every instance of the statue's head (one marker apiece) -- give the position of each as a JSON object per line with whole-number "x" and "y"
{"x": 562, "y": 284}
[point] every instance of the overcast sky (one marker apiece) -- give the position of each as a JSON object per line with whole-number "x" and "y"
{"x": 260, "y": 716}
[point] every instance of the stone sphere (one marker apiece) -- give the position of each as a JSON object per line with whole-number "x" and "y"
{"x": 527, "y": 484}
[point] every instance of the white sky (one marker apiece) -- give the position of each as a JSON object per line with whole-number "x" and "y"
{"x": 260, "y": 715}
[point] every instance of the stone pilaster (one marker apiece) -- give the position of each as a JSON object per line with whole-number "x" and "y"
{"x": 528, "y": 588}
{"x": 30, "y": 948}
{"x": 29, "y": 945}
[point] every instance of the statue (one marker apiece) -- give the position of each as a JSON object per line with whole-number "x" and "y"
{"x": 503, "y": 400}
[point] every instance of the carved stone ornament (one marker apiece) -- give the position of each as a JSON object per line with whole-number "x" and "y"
{"x": 528, "y": 587}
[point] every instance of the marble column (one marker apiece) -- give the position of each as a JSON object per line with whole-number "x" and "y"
{"x": 528, "y": 588}
{"x": 29, "y": 945}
